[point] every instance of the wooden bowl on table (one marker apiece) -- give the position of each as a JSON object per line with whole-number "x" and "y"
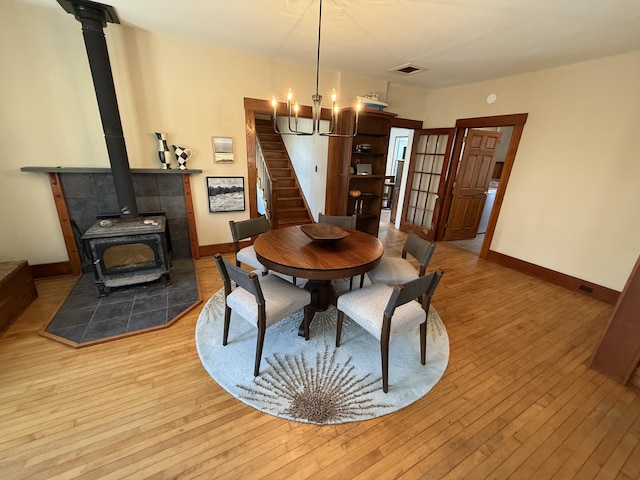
{"x": 324, "y": 232}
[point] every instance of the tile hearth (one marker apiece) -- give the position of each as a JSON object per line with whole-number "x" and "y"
{"x": 86, "y": 318}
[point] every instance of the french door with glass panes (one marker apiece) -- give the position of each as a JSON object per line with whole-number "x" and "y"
{"x": 430, "y": 158}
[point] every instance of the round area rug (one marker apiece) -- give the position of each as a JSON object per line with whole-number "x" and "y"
{"x": 315, "y": 382}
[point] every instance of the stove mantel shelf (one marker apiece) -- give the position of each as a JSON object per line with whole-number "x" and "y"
{"x": 106, "y": 170}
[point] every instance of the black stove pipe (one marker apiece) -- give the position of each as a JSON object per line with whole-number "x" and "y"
{"x": 94, "y": 17}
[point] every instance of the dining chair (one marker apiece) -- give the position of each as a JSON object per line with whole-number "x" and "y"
{"x": 342, "y": 221}
{"x": 247, "y": 229}
{"x": 261, "y": 300}
{"x": 381, "y": 309}
{"x": 398, "y": 270}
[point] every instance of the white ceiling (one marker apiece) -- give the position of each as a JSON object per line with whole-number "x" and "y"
{"x": 458, "y": 41}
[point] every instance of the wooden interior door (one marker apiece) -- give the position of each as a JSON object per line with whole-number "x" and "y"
{"x": 428, "y": 166}
{"x": 471, "y": 183}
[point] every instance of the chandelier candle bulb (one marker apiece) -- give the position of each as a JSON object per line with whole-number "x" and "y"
{"x": 334, "y": 111}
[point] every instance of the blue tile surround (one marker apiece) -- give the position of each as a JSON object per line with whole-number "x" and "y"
{"x": 88, "y": 195}
{"x": 85, "y": 317}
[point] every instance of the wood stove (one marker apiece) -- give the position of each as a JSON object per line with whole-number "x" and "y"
{"x": 130, "y": 249}
{"x": 128, "y": 252}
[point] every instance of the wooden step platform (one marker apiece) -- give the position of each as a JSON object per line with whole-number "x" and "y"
{"x": 17, "y": 291}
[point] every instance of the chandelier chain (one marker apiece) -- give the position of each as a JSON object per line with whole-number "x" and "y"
{"x": 316, "y": 106}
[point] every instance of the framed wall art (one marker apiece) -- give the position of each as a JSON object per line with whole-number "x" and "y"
{"x": 226, "y": 194}
{"x": 222, "y": 149}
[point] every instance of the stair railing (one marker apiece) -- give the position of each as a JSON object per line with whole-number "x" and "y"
{"x": 268, "y": 185}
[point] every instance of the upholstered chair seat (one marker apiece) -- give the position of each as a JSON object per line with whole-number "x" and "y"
{"x": 281, "y": 299}
{"x": 393, "y": 271}
{"x": 381, "y": 309}
{"x": 365, "y": 307}
{"x": 247, "y": 255}
{"x": 398, "y": 270}
{"x": 260, "y": 300}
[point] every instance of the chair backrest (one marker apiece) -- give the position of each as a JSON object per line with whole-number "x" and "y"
{"x": 248, "y": 228}
{"x": 421, "y": 249}
{"x": 343, "y": 221}
{"x": 421, "y": 288}
{"x": 247, "y": 280}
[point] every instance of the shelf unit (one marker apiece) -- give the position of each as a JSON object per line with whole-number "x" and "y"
{"x": 345, "y": 156}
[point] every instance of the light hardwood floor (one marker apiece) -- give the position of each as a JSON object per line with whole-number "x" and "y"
{"x": 516, "y": 400}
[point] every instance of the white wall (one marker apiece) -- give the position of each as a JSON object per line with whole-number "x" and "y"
{"x": 352, "y": 86}
{"x": 309, "y": 158}
{"x": 406, "y": 102}
{"x": 573, "y": 199}
{"x": 395, "y": 133}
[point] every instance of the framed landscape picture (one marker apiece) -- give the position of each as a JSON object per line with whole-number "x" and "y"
{"x": 226, "y": 194}
{"x": 222, "y": 149}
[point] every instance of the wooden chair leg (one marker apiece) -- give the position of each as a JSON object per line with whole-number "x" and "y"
{"x": 427, "y": 304}
{"x": 339, "y": 327}
{"x": 227, "y": 318}
{"x": 361, "y": 280}
{"x": 423, "y": 343}
{"x": 384, "y": 353}
{"x": 351, "y": 284}
{"x": 259, "y": 345}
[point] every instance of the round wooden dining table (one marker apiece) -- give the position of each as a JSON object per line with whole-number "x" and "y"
{"x": 290, "y": 251}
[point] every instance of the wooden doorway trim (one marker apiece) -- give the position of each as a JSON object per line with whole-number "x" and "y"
{"x": 406, "y": 123}
{"x": 251, "y": 107}
{"x": 516, "y": 121}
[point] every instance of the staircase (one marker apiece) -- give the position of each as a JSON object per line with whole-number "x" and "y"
{"x": 289, "y": 207}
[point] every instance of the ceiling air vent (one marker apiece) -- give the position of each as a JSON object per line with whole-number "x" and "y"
{"x": 407, "y": 69}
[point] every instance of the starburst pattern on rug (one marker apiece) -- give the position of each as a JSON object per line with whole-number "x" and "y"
{"x": 324, "y": 323}
{"x": 328, "y": 392}
{"x": 435, "y": 327}
{"x": 312, "y": 381}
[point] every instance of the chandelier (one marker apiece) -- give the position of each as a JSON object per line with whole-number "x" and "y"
{"x": 316, "y": 108}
